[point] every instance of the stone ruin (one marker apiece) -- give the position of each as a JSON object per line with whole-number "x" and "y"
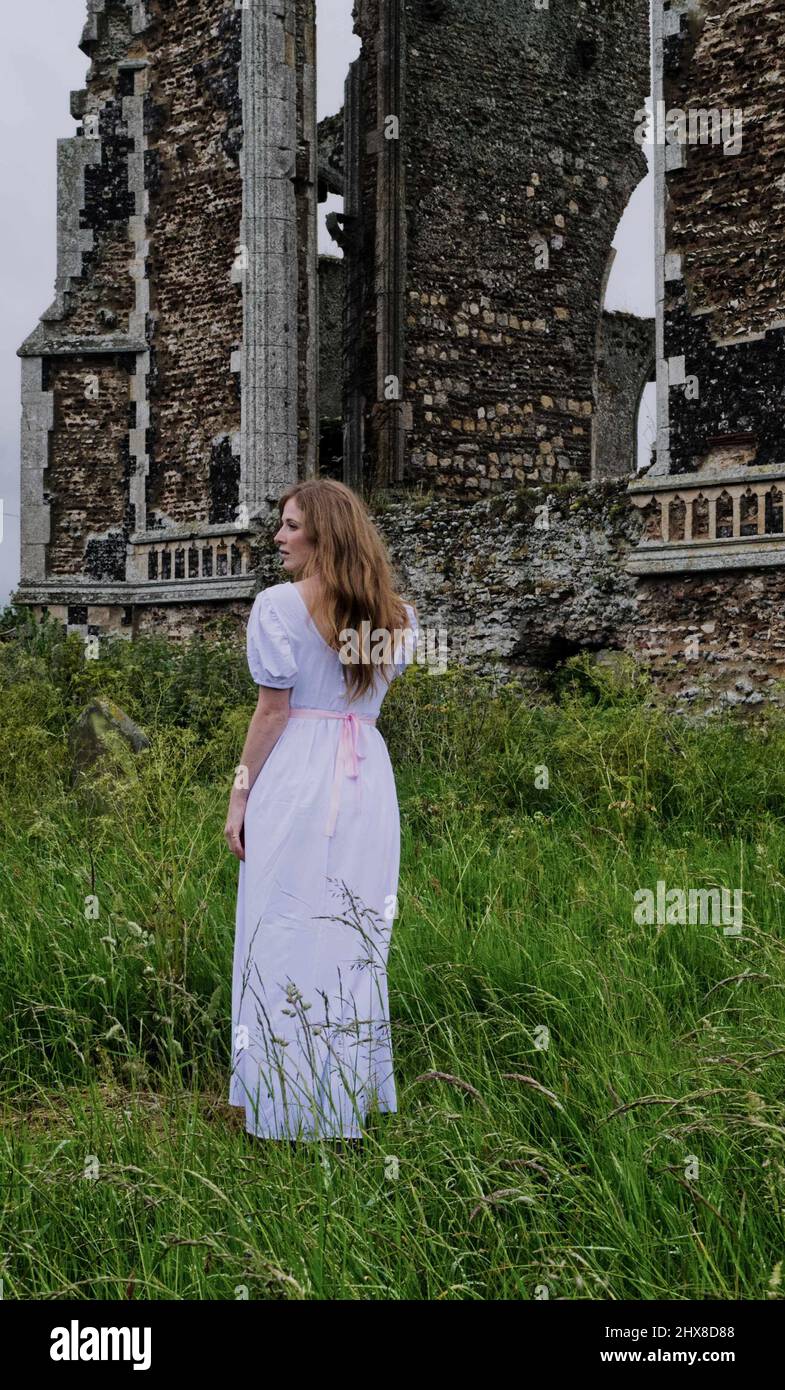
{"x": 455, "y": 364}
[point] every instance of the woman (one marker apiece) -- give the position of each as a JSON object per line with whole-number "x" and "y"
{"x": 313, "y": 819}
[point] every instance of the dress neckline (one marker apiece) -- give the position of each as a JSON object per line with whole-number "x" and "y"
{"x": 309, "y": 616}
{"x": 311, "y": 621}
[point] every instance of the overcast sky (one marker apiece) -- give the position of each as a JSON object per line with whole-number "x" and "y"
{"x": 40, "y": 64}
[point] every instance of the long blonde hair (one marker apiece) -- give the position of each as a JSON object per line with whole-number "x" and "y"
{"x": 354, "y": 568}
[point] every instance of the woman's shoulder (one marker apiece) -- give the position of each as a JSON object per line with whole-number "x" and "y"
{"x": 274, "y": 591}
{"x": 278, "y": 607}
{"x": 278, "y": 597}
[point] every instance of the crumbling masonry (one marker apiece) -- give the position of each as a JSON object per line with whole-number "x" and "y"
{"x": 200, "y": 354}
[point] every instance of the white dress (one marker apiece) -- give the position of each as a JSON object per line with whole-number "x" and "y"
{"x": 317, "y": 894}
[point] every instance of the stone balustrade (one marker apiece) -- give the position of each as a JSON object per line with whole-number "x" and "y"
{"x": 198, "y": 558}
{"x": 710, "y": 522}
{"x": 202, "y": 554}
{"x": 207, "y": 562}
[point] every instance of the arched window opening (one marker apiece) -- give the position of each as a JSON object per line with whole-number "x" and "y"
{"x": 646, "y": 424}
{"x": 625, "y": 430}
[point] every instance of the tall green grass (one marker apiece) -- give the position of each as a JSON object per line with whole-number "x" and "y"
{"x": 588, "y": 1108}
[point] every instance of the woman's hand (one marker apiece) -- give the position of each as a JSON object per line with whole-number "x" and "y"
{"x": 235, "y": 819}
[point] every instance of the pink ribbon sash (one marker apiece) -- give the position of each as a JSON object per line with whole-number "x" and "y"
{"x": 347, "y": 759}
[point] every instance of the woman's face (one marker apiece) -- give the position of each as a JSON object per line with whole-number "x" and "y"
{"x": 293, "y": 544}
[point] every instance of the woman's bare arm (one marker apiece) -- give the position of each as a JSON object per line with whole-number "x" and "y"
{"x": 268, "y": 722}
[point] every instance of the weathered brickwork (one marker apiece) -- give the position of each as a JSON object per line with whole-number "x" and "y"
{"x": 87, "y": 477}
{"x": 553, "y": 584}
{"x": 331, "y": 283}
{"x": 725, "y": 232}
{"x": 519, "y": 159}
{"x": 180, "y": 621}
{"x": 714, "y": 640}
{"x": 193, "y": 231}
{"x": 103, "y": 297}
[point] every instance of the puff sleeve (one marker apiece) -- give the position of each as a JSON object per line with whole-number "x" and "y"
{"x": 270, "y": 658}
{"x": 408, "y": 645}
